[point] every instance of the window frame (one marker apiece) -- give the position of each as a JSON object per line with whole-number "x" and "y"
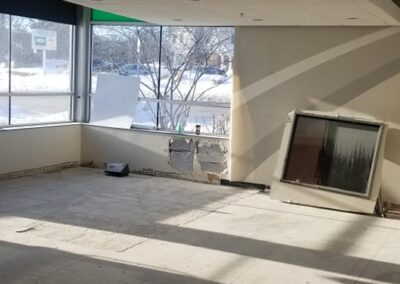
{"x": 374, "y": 165}
{"x": 157, "y": 100}
{"x": 71, "y": 94}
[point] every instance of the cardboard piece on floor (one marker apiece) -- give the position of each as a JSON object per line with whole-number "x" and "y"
{"x": 301, "y": 193}
{"x": 115, "y": 101}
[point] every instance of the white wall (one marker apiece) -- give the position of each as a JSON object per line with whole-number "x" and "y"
{"x": 30, "y": 148}
{"x": 142, "y": 150}
{"x": 23, "y": 149}
{"x": 349, "y": 70}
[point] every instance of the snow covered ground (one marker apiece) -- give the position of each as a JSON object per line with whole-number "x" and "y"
{"x": 205, "y": 116}
{"x": 218, "y": 90}
{"x": 3, "y": 110}
{"x": 34, "y": 80}
{"x": 219, "y": 87}
{"x": 31, "y": 109}
{"x": 27, "y": 110}
{"x": 3, "y": 79}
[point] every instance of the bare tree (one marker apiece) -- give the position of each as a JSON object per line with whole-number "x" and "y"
{"x": 4, "y": 35}
{"x": 187, "y": 55}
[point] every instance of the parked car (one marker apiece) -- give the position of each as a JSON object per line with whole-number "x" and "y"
{"x": 100, "y": 65}
{"x": 133, "y": 69}
{"x": 211, "y": 70}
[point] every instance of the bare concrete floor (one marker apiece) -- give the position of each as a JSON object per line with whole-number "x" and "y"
{"x": 78, "y": 226}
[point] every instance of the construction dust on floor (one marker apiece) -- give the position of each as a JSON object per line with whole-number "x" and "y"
{"x": 79, "y": 226}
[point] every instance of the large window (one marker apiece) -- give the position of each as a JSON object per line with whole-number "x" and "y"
{"x": 4, "y": 52}
{"x": 185, "y": 72}
{"x": 3, "y": 111}
{"x": 35, "y": 70}
{"x": 332, "y": 154}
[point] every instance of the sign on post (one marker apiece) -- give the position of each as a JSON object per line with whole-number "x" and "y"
{"x": 44, "y": 40}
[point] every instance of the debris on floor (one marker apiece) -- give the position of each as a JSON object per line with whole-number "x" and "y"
{"x": 117, "y": 169}
{"x": 25, "y": 230}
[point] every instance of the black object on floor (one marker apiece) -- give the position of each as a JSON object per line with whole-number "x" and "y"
{"x": 117, "y": 169}
{"x": 245, "y": 184}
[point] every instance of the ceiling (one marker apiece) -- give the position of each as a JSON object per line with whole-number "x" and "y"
{"x": 254, "y": 12}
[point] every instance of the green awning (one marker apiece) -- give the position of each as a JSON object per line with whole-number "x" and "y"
{"x": 102, "y": 16}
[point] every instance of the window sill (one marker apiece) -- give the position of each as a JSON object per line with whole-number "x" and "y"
{"x": 164, "y": 132}
{"x": 34, "y": 126}
{"x": 148, "y": 131}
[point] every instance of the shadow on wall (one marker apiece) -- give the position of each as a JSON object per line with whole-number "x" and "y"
{"x": 270, "y": 143}
{"x": 103, "y": 145}
{"x": 392, "y": 152}
{"x": 17, "y": 266}
{"x": 198, "y": 159}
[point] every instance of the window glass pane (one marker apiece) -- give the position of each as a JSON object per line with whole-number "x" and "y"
{"x": 194, "y": 65}
{"x": 3, "y": 110}
{"x": 331, "y": 153}
{"x": 185, "y": 117}
{"x": 4, "y": 51}
{"x": 41, "y": 56}
{"x": 31, "y": 109}
{"x": 127, "y": 51}
{"x": 197, "y": 64}
{"x": 146, "y": 114}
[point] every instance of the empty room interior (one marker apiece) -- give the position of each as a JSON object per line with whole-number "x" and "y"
{"x": 199, "y": 141}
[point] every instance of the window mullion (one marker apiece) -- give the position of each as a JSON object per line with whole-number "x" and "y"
{"x": 9, "y": 68}
{"x": 159, "y": 79}
{"x": 32, "y": 101}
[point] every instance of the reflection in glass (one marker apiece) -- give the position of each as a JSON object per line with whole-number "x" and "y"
{"x": 331, "y": 153}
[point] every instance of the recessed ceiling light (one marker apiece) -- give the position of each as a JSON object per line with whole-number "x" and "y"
{"x": 352, "y": 18}
{"x": 258, "y": 20}
{"x": 177, "y": 20}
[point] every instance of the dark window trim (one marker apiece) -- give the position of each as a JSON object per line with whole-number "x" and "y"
{"x": 48, "y": 10}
